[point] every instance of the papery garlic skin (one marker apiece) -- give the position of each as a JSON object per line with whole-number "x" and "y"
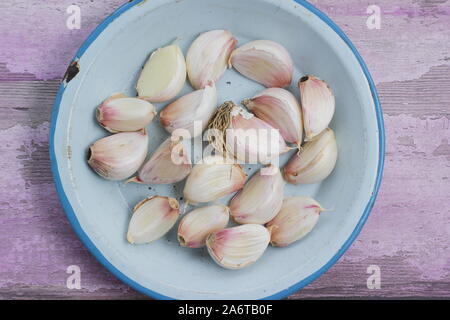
{"x": 199, "y": 223}
{"x": 213, "y": 179}
{"x": 280, "y": 109}
{"x": 195, "y": 106}
{"x": 170, "y": 163}
{"x": 264, "y": 61}
{"x": 261, "y": 198}
{"x": 163, "y": 75}
{"x": 207, "y": 57}
{"x": 296, "y": 219}
{"x": 318, "y": 105}
{"x": 118, "y": 156}
{"x": 120, "y": 113}
{"x": 315, "y": 161}
{"x": 252, "y": 140}
{"x": 238, "y": 247}
{"x": 152, "y": 218}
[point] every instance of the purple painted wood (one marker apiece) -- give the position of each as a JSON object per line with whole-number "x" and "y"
{"x": 407, "y": 235}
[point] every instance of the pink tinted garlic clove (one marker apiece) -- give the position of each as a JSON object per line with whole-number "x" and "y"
{"x": 197, "y": 106}
{"x": 120, "y": 113}
{"x": 264, "y": 61}
{"x": 280, "y": 109}
{"x": 120, "y": 155}
{"x": 238, "y": 247}
{"x": 315, "y": 161}
{"x": 199, "y": 223}
{"x": 170, "y": 163}
{"x": 152, "y": 218}
{"x": 318, "y": 105}
{"x": 213, "y": 178}
{"x": 207, "y": 57}
{"x": 260, "y": 199}
{"x": 296, "y": 219}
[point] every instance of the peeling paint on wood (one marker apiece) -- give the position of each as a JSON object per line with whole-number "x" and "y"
{"x": 407, "y": 235}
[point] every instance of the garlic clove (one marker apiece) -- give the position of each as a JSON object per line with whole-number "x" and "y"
{"x": 199, "y": 223}
{"x": 195, "y": 106}
{"x": 170, "y": 163}
{"x": 152, "y": 218}
{"x": 207, "y": 57}
{"x": 163, "y": 75}
{"x": 296, "y": 219}
{"x": 213, "y": 178}
{"x": 238, "y": 247}
{"x": 260, "y": 199}
{"x": 264, "y": 61}
{"x": 236, "y": 132}
{"x": 318, "y": 105}
{"x": 120, "y": 113}
{"x": 315, "y": 161}
{"x": 118, "y": 156}
{"x": 280, "y": 109}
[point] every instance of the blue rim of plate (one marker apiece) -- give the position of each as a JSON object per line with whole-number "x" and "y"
{"x": 280, "y": 295}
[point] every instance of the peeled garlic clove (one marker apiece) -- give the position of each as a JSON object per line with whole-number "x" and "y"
{"x": 296, "y": 219}
{"x": 315, "y": 161}
{"x": 207, "y": 58}
{"x": 212, "y": 179}
{"x": 264, "y": 61}
{"x": 260, "y": 199}
{"x": 199, "y": 223}
{"x": 170, "y": 163}
{"x": 238, "y": 247}
{"x": 280, "y": 109}
{"x": 152, "y": 218}
{"x": 239, "y": 133}
{"x": 196, "y": 106}
{"x": 120, "y": 155}
{"x": 163, "y": 75}
{"x": 120, "y": 113}
{"x": 318, "y": 105}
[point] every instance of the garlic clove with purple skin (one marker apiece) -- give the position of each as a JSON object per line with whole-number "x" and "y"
{"x": 120, "y": 113}
{"x": 152, "y": 218}
{"x": 163, "y": 75}
{"x": 236, "y": 132}
{"x": 213, "y": 178}
{"x": 238, "y": 247}
{"x": 120, "y": 155}
{"x": 264, "y": 61}
{"x": 195, "y": 106}
{"x": 260, "y": 199}
{"x": 318, "y": 105}
{"x": 296, "y": 219}
{"x": 170, "y": 163}
{"x": 207, "y": 57}
{"x": 280, "y": 109}
{"x": 315, "y": 161}
{"x": 199, "y": 223}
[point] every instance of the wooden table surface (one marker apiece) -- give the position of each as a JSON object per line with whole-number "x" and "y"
{"x": 407, "y": 235}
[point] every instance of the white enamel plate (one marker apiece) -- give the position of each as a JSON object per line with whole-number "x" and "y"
{"x": 99, "y": 210}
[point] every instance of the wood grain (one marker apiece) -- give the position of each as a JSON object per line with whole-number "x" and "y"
{"x": 407, "y": 234}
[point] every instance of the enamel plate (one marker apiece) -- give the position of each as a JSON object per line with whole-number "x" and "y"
{"x": 110, "y": 61}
